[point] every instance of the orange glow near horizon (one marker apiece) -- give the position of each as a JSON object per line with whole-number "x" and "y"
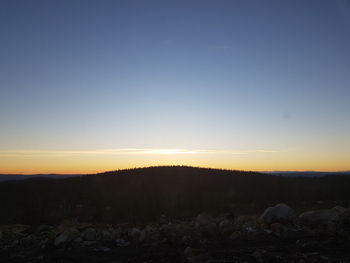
{"x": 94, "y": 161}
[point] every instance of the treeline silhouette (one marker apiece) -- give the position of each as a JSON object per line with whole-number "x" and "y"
{"x": 144, "y": 194}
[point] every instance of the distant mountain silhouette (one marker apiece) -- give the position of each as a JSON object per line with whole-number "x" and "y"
{"x": 307, "y": 173}
{"x": 15, "y": 177}
{"x": 138, "y": 195}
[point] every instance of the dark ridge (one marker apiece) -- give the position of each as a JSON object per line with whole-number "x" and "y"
{"x": 19, "y": 177}
{"x": 308, "y": 173}
{"x": 144, "y": 194}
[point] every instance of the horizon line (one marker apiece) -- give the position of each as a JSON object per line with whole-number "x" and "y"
{"x": 189, "y": 166}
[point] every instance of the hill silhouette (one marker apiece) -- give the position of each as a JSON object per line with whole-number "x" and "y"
{"x": 144, "y": 194}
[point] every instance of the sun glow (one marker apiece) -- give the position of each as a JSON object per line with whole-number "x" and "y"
{"x": 170, "y": 151}
{"x": 124, "y": 151}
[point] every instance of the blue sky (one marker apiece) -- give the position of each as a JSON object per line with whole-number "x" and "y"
{"x": 197, "y": 75}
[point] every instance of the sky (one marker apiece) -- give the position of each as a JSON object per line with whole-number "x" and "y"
{"x": 89, "y": 86}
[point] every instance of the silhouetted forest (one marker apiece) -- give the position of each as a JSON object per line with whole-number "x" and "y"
{"x": 144, "y": 194}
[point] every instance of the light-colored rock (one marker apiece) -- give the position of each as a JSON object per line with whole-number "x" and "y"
{"x": 67, "y": 236}
{"x": 279, "y": 213}
{"x": 325, "y": 216}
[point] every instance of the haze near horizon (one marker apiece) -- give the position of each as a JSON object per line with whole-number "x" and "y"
{"x": 90, "y": 86}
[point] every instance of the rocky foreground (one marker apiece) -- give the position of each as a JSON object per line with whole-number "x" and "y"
{"x": 278, "y": 235}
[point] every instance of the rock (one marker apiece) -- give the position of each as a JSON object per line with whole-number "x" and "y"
{"x": 43, "y": 228}
{"x": 311, "y": 245}
{"x": 121, "y": 243}
{"x": 102, "y": 249}
{"x": 78, "y": 240}
{"x": 249, "y": 228}
{"x": 147, "y": 234}
{"x": 280, "y": 213}
{"x": 89, "y": 234}
{"x": 28, "y": 241}
{"x": 134, "y": 233}
{"x": 60, "y": 239}
{"x": 183, "y": 229}
{"x": 43, "y": 243}
{"x": 107, "y": 234}
{"x": 143, "y": 236}
{"x": 277, "y": 228}
{"x": 224, "y": 224}
{"x": 202, "y": 219}
{"x": 324, "y": 216}
{"x": 344, "y": 220}
{"x": 163, "y": 219}
{"x": 116, "y": 233}
{"x": 211, "y": 229}
{"x": 16, "y": 231}
{"x": 67, "y": 236}
{"x": 268, "y": 231}
{"x": 235, "y": 235}
{"x": 188, "y": 251}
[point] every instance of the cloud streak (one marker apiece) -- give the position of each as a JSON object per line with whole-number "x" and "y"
{"x": 124, "y": 151}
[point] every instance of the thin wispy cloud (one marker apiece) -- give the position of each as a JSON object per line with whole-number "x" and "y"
{"x": 124, "y": 151}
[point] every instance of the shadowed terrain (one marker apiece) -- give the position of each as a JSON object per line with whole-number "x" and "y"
{"x": 176, "y": 214}
{"x": 144, "y": 194}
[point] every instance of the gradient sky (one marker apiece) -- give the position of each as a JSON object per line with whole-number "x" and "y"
{"x": 88, "y": 86}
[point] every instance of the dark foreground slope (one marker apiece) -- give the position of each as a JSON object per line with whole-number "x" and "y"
{"x": 203, "y": 239}
{"x": 175, "y": 214}
{"x": 139, "y": 195}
